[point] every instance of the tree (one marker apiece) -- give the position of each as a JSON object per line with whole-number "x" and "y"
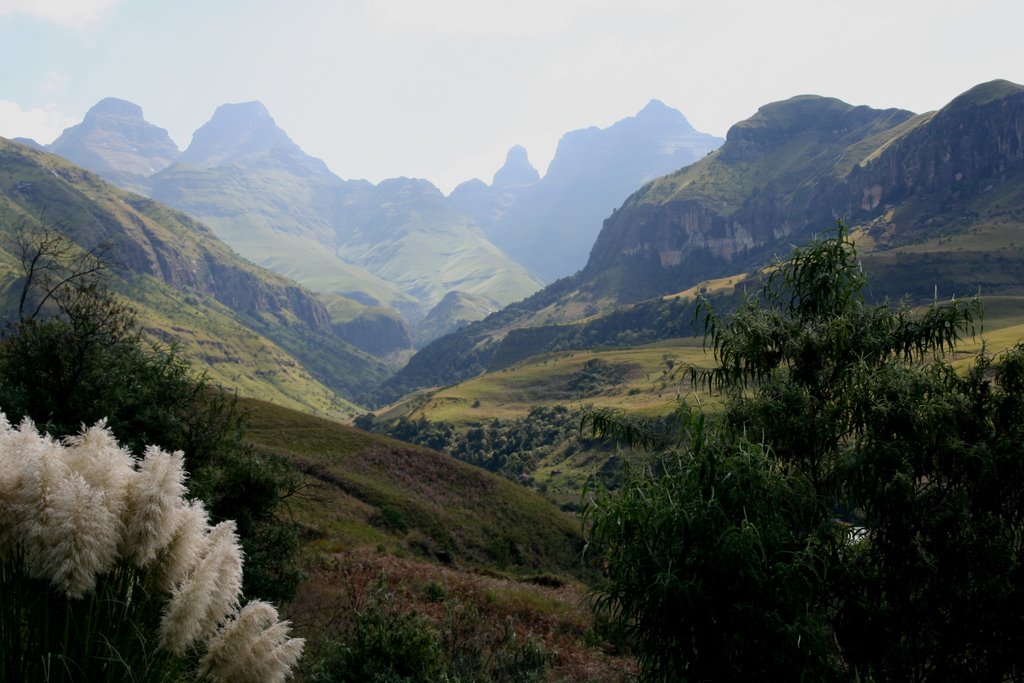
{"x": 907, "y": 474}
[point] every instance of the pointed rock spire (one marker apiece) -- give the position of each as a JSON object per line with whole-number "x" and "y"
{"x": 517, "y": 171}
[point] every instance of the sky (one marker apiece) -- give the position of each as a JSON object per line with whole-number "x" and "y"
{"x": 441, "y": 89}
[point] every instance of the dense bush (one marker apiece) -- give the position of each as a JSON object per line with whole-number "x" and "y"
{"x": 856, "y": 512}
{"x": 386, "y": 642}
{"x": 508, "y": 447}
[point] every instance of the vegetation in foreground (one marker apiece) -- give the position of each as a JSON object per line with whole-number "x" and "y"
{"x": 107, "y": 573}
{"x": 75, "y": 356}
{"x": 855, "y": 513}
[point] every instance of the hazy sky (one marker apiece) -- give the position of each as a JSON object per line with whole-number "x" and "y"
{"x": 440, "y": 89}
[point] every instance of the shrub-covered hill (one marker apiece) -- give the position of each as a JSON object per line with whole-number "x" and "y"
{"x": 369, "y": 490}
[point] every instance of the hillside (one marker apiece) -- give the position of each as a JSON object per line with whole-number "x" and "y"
{"x": 408, "y": 530}
{"x": 245, "y": 325}
{"x": 937, "y": 197}
{"x": 432, "y": 504}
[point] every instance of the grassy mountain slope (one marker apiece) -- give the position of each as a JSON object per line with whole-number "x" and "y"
{"x": 405, "y": 231}
{"x": 474, "y": 555}
{"x": 369, "y": 490}
{"x": 277, "y": 214}
{"x": 399, "y": 244}
{"x": 189, "y": 285}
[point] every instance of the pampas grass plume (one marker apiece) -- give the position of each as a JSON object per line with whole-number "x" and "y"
{"x": 207, "y": 595}
{"x": 254, "y": 647}
{"x": 180, "y": 557}
{"x": 154, "y": 504}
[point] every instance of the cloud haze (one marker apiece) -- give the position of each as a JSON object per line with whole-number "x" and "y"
{"x": 42, "y": 124}
{"x": 68, "y": 13}
{"x": 442, "y": 88}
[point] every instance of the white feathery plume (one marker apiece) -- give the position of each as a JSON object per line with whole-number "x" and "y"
{"x": 96, "y": 455}
{"x": 81, "y": 535}
{"x": 68, "y": 528}
{"x": 43, "y": 479}
{"x": 253, "y": 647}
{"x": 20, "y": 479}
{"x": 13, "y": 468}
{"x": 179, "y": 558}
{"x": 226, "y": 554}
{"x": 154, "y": 502}
{"x": 207, "y": 595}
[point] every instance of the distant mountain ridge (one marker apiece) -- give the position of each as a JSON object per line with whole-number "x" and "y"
{"x": 550, "y": 223}
{"x": 399, "y": 244}
{"x": 936, "y": 200}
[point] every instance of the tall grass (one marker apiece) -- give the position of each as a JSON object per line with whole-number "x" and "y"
{"x": 107, "y": 573}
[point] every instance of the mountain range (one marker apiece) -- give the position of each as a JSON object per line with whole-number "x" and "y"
{"x": 936, "y": 201}
{"x": 548, "y": 224}
{"x": 382, "y": 257}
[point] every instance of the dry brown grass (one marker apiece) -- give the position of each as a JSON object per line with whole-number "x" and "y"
{"x": 465, "y": 606}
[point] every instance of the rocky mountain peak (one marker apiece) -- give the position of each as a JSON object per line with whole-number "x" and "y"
{"x": 658, "y": 115}
{"x": 116, "y": 141}
{"x": 517, "y": 171}
{"x": 234, "y": 132}
{"x": 113, "y": 107}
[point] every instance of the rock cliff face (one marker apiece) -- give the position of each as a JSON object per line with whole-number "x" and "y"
{"x": 774, "y": 176}
{"x": 379, "y": 331}
{"x": 797, "y": 165}
{"x": 116, "y": 141}
{"x": 970, "y": 146}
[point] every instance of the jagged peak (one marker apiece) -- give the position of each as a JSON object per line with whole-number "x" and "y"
{"x": 657, "y": 112}
{"x": 517, "y": 170}
{"x": 235, "y": 130}
{"x": 115, "y": 140}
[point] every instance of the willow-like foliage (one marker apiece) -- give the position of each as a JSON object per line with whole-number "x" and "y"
{"x": 878, "y": 493}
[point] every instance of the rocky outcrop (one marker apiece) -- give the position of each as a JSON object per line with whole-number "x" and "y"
{"x": 379, "y": 331}
{"x": 971, "y": 145}
{"x": 236, "y": 131}
{"x": 116, "y": 141}
{"x": 798, "y": 165}
{"x": 517, "y": 172}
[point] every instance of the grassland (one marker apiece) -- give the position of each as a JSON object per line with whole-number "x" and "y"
{"x": 475, "y": 554}
{"x": 648, "y": 388}
{"x": 369, "y": 490}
